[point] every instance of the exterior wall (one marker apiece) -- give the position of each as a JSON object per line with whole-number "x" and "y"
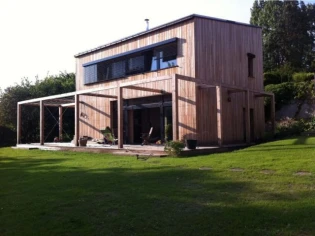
{"x": 99, "y": 116}
{"x": 221, "y": 59}
{"x": 207, "y": 118}
{"x": 187, "y": 116}
{"x": 208, "y": 50}
{"x": 183, "y": 31}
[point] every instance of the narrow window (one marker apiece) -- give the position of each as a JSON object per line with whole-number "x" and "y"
{"x": 149, "y": 58}
{"x": 250, "y": 58}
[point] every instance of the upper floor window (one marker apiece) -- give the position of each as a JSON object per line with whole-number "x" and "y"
{"x": 250, "y": 64}
{"x": 150, "y": 58}
{"x": 164, "y": 57}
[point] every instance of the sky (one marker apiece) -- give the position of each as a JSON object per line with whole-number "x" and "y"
{"x": 41, "y": 37}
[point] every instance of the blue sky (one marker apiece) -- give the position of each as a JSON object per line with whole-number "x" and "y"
{"x": 40, "y": 37}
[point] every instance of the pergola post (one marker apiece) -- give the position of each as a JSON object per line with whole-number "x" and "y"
{"x": 247, "y": 117}
{"x": 76, "y": 119}
{"x": 60, "y": 122}
{"x": 219, "y": 115}
{"x": 175, "y": 107}
{"x": 120, "y": 116}
{"x": 41, "y": 122}
{"x": 18, "y": 125}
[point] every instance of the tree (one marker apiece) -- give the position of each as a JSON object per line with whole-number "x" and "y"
{"x": 62, "y": 83}
{"x": 288, "y": 33}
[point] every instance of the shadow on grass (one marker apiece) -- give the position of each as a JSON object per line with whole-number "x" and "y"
{"x": 44, "y": 198}
{"x": 270, "y": 148}
{"x": 301, "y": 140}
{"x": 294, "y": 145}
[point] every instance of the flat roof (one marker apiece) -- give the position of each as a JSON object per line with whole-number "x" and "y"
{"x": 161, "y": 27}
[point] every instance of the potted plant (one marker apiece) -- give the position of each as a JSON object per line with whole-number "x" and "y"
{"x": 83, "y": 141}
{"x": 191, "y": 141}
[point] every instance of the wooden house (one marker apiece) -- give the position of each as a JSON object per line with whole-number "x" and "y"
{"x": 201, "y": 76}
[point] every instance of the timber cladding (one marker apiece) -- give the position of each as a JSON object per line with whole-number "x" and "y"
{"x": 185, "y": 59}
{"x": 209, "y": 52}
{"x": 221, "y": 59}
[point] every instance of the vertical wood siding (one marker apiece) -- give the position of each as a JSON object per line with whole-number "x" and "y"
{"x": 221, "y": 59}
{"x": 212, "y": 51}
{"x": 99, "y": 116}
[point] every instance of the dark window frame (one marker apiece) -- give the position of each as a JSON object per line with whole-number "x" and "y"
{"x": 250, "y": 65}
{"x": 144, "y": 60}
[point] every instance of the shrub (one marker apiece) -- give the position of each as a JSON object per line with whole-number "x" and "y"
{"x": 272, "y": 77}
{"x": 174, "y": 148}
{"x": 302, "y": 77}
{"x": 284, "y": 93}
{"x": 310, "y": 124}
{"x": 278, "y": 76}
{"x": 7, "y": 136}
{"x": 290, "y": 127}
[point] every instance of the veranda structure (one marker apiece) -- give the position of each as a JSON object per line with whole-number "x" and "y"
{"x": 201, "y": 75}
{"x": 73, "y": 100}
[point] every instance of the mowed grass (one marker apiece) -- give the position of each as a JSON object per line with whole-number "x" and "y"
{"x": 267, "y": 189}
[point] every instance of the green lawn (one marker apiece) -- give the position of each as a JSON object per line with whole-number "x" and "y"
{"x": 267, "y": 189}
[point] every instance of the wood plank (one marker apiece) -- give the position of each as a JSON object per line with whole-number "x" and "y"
{"x": 41, "y": 122}
{"x": 219, "y": 115}
{"x": 120, "y": 117}
{"x": 175, "y": 107}
{"x": 247, "y": 117}
{"x": 76, "y": 119}
{"x": 68, "y": 105}
{"x": 205, "y": 86}
{"x": 81, "y": 92}
{"x": 161, "y": 91}
{"x": 60, "y": 122}
{"x": 236, "y": 91}
{"x": 100, "y": 95}
{"x": 145, "y": 81}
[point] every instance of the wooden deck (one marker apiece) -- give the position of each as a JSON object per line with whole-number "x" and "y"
{"x": 128, "y": 150}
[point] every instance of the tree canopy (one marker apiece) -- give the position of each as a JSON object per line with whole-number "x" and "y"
{"x": 288, "y": 33}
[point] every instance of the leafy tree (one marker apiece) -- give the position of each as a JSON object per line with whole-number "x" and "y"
{"x": 9, "y": 97}
{"x": 301, "y": 92}
{"x": 288, "y": 33}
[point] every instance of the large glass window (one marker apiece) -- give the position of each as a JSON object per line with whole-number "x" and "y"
{"x": 118, "y": 69}
{"x": 149, "y": 59}
{"x": 135, "y": 65}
